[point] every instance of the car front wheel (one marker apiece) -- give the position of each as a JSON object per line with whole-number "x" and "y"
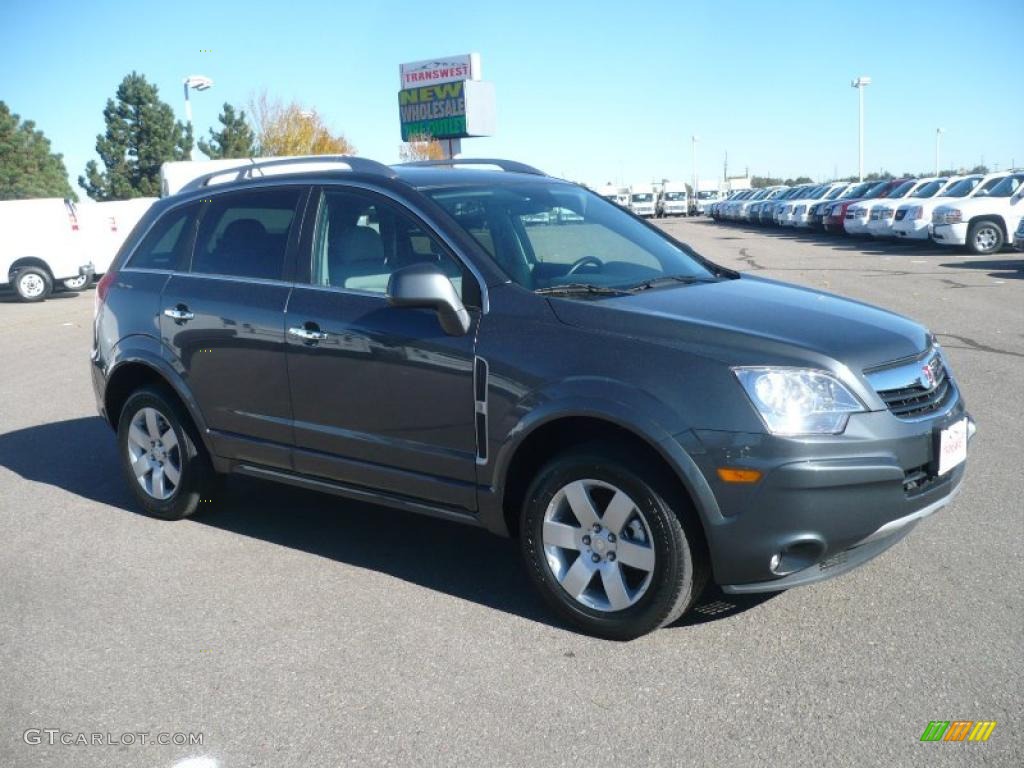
{"x": 985, "y": 237}
{"x": 162, "y": 459}
{"x": 605, "y": 547}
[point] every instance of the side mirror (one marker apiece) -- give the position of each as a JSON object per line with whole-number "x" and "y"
{"x": 424, "y": 285}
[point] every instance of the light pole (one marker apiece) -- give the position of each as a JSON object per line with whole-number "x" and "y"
{"x": 938, "y": 135}
{"x": 199, "y": 83}
{"x": 860, "y": 84}
{"x": 693, "y": 162}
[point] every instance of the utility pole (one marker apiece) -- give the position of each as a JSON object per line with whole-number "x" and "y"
{"x": 860, "y": 83}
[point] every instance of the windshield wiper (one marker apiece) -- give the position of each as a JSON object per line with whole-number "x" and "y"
{"x": 581, "y": 289}
{"x": 659, "y": 282}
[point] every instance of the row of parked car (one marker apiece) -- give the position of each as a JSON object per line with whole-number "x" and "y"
{"x": 982, "y": 212}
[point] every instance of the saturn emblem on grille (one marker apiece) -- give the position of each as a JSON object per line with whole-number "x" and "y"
{"x": 929, "y": 374}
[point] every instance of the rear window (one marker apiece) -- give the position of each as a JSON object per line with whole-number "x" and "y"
{"x": 166, "y": 244}
{"x": 246, "y": 234}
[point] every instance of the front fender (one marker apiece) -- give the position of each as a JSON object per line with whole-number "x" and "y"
{"x": 636, "y": 411}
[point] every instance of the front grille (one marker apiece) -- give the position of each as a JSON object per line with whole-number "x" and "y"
{"x": 900, "y": 214}
{"x": 917, "y": 399}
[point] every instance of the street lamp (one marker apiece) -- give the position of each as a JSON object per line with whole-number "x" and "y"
{"x": 860, "y": 83}
{"x": 693, "y": 162}
{"x": 199, "y": 83}
{"x": 938, "y": 134}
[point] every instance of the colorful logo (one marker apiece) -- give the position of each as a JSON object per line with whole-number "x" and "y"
{"x": 958, "y": 730}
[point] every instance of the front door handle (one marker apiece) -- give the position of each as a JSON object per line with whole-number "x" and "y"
{"x": 308, "y": 334}
{"x": 179, "y": 314}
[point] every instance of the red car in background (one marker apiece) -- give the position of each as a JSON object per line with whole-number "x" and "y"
{"x": 833, "y": 220}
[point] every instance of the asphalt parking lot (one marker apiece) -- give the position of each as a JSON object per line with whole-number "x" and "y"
{"x": 291, "y": 629}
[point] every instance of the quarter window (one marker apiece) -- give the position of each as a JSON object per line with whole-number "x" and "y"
{"x": 246, "y": 234}
{"x": 167, "y": 242}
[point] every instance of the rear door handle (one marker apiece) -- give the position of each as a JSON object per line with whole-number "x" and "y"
{"x": 308, "y": 334}
{"x": 179, "y": 314}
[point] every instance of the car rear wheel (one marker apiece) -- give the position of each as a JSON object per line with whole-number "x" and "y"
{"x": 605, "y": 547}
{"x": 32, "y": 283}
{"x": 162, "y": 459}
{"x": 985, "y": 237}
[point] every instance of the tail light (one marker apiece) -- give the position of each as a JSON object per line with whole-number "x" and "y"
{"x": 103, "y": 288}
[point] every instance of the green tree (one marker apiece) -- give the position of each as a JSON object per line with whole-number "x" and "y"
{"x": 798, "y": 180}
{"x": 27, "y": 166}
{"x": 234, "y": 139}
{"x": 979, "y": 169}
{"x": 757, "y": 182}
{"x": 142, "y": 134}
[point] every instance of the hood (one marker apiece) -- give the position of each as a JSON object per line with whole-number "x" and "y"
{"x": 755, "y": 315}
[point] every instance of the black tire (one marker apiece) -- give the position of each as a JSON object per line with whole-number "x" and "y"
{"x": 991, "y": 235}
{"x": 680, "y": 570}
{"x": 197, "y": 480}
{"x": 26, "y": 283}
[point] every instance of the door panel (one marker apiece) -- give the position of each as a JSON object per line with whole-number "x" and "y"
{"x": 222, "y": 321}
{"x": 231, "y": 353}
{"x": 383, "y": 397}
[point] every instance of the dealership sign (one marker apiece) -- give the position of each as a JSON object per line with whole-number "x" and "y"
{"x": 447, "y": 69}
{"x": 447, "y": 103}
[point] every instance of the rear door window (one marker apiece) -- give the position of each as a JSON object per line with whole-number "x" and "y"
{"x": 246, "y": 234}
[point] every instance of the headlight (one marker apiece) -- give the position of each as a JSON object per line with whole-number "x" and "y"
{"x": 798, "y": 401}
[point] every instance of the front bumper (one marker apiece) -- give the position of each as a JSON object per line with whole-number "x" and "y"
{"x": 949, "y": 234}
{"x": 857, "y": 225}
{"x": 823, "y": 505}
{"x": 880, "y": 227}
{"x": 911, "y": 229}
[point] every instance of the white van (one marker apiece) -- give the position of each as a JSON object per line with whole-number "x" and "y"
{"x": 106, "y": 225}
{"x": 42, "y": 247}
{"x": 674, "y": 200}
{"x": 642, "y": 199}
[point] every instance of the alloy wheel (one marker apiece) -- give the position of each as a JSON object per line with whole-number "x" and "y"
{"x": 598, "y": 545}
{"x": 154, "y": 453}
{"x": 986, "y": 238}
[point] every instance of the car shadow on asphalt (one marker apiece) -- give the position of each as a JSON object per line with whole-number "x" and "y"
{"x": 458, "y": 560}
{"x": 1002, "y": 269}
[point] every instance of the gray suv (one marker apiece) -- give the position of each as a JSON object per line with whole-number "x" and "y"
{"x": 511, "y": 351}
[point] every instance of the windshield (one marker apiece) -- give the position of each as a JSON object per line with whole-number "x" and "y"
{"x": 643, "y": 197}
{"x": 876, "y": 190}
{"x": 602, "y": 245}
{"x": 929, "y": 189}
{"x": 674, "y": 196}
{"x": 859, "y": 190}
{"x": 836, "y": 192}
{"x": 707, "y": 195}
{"x": 1008, "y": 186}
{"x": 962, "y": 188}
{"x": 902, "y": 189}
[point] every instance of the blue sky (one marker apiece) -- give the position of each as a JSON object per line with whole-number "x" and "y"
{"x": 593, "y": 91}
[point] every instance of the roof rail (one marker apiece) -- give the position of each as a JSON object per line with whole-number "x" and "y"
{"x": 243, "y": 172}
{"x": 511, "y": 166}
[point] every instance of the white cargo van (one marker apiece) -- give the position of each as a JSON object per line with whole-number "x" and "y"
{"x": 642, "y": 200}
{"x": 675, "y": 201}
{"x": 42, "y": 247}
{"x": 106, "y": 225}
